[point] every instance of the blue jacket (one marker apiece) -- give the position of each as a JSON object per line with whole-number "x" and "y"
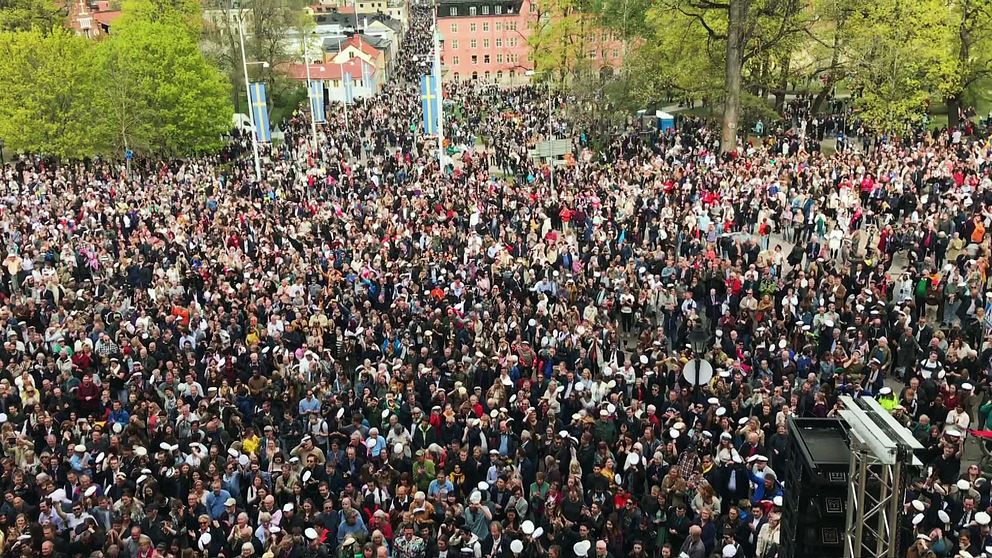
{"x": 760, "y": 493}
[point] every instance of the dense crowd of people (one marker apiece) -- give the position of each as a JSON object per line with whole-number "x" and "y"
{"x": 365, "y": 354}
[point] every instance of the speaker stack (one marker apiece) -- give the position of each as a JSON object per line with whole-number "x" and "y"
{"x": 816, "y": 484}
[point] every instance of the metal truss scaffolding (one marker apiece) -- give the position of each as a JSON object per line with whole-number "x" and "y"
{"x": 881, "y": 450}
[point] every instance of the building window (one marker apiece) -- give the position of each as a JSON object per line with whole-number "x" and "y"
{"x": 454, "y": 44}
{"x": 485, "y": 59}
{"x": 533, "y": 7}
{"x": 485, "y": 43}
{"x": 475, "y": 60}
{"x": 471, "y": 10}
{"x": 499, "y": 43}
{"x": 456, "y": 76}
{"x": 485, "y": 10}
{"x": 473, "y": 43}
{"x": 454, "y": 27}
{"x": 616, "y": 54}
{"x": 485, "y": 27}
{"x": 592, "y": 54}
{"x": 513, "y": 74}
{"x": 453, "y": 11}
{"x": 475, "y": 76}
{"x": 605, "y": 36}
{"x": 472, "y": 27}
{"x": 499, "y": 75}
{"x": 486, "y": 75}
{"x": 499, "y": 26}
{"x": 499, "y": 58}
{"x": 498, "y": 9}
{"x": 454, "y": 60}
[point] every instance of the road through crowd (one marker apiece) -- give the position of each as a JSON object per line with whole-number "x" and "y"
{"x": 365, "y": 355}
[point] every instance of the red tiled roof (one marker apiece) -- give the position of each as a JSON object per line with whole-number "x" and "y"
{"x": 106, "y": 18}
{"x": 362, "y": 45}
{"x": 330, "y": 70}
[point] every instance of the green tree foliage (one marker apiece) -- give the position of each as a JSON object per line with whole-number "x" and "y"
{"x": 181, "y": 14}
{"x": 30, "y": 15}
{"x": 971, "y": 44}
{"x": 897, "y": 57}
{"x": 716, "y": 49}
{"x": 160, "y": 95}
{"x": 676, "y": 54}
{"x": 900, "y": 60}
{"x": 147, "y": 87}
{"x": 558, "y": 37}
{"x": 44, "y": 103}
{"x": 625, "y": 16}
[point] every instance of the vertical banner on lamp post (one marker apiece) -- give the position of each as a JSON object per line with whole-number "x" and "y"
{"x": 317, "y": 100}
{"x": 260, "y": 112}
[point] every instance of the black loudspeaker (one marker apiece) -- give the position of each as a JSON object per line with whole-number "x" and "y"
{"x": 816, "y": 478}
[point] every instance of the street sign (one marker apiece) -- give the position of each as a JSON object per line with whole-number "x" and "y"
{"x": 128, "y": 154}
{"x": 705, "y": 372}
{"x": 552, "y": 149}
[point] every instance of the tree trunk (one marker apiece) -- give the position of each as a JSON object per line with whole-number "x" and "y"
{"x": 821, "y": 96}
{"x": 964, "y": 53}
{"x": 735, "y": 61}
{"x": 953, "y": 107}
{"x": 783, "y": 83}
{"x": 833, "y": 74}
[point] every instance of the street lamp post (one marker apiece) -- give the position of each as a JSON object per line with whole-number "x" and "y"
{"x": 313, "y": 99}
{"x": 440, "y": 105}
{"x": 698, "y": 338}
{"x": 251, "y": 113}
{"x": 1, "y": 151}
{"x": 551, "y": 130}
{"x": 345, "y": 101}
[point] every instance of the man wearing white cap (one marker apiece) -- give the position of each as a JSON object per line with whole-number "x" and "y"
{"x": 477, "y": 515}
{"x": 605, "y": 429}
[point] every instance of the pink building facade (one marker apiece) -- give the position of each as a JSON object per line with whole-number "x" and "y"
{"x": 486, "y": 40}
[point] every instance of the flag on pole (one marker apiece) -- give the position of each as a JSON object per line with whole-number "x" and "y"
{"x": 430, "y": 95}
{"x": 436, "y": 64}
{"x": 349, "y": 89}
{"x": 317, "y": 100}
{"x": 367, "y": 80}
{"x": 260, "y": 112}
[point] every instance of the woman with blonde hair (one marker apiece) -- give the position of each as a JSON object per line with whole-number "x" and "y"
{"x": 705, "y": 498}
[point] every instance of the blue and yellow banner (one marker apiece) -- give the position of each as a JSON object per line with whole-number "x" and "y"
{"x": 349, "y": 89}
{"x": 430, "y": 96}
{"x": 317, "y": 100}
{"x": 260, "y": 112}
